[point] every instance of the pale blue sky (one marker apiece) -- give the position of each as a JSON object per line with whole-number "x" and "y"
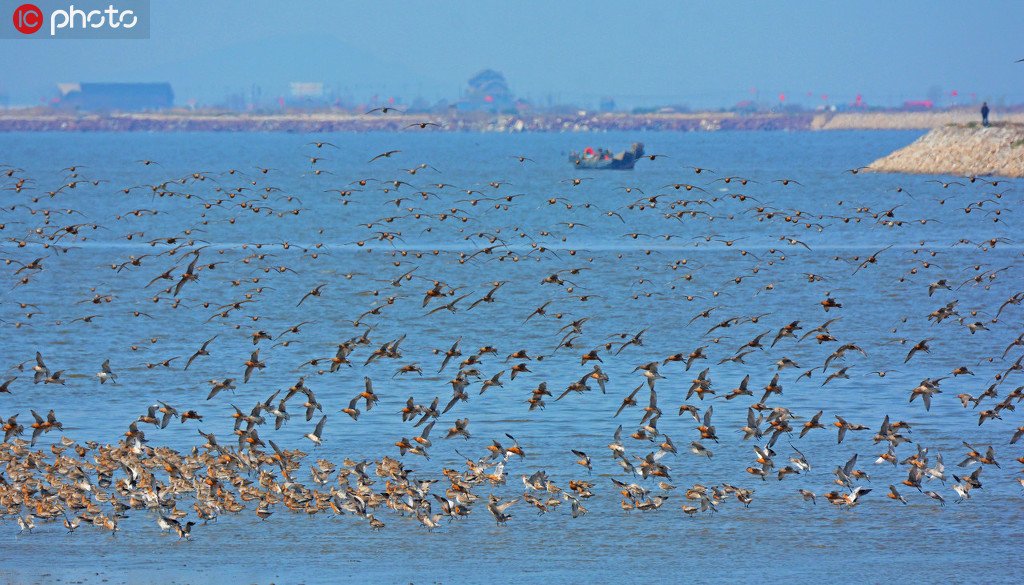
{"x": 639, "y": 52}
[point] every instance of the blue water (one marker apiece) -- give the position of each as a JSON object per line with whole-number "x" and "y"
{"x": 628, "y": 285}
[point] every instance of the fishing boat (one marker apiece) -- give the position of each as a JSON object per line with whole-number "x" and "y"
{"x": 604, "y": 160}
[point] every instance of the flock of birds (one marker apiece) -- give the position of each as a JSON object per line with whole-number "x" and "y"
{"x": 169, "y": 269}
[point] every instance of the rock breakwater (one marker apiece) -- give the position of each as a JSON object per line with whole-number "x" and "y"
{"x": 963, "y": 150}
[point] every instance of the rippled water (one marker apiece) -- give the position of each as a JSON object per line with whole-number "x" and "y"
{"x": 629, "y": 283}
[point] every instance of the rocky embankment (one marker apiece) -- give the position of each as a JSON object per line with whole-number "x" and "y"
{"x": 961, "y": 150}
{"x": 189, "y": 121}
{"x": 182, "y": 120}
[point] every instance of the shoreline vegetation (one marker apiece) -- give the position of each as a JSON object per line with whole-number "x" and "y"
{"x": 51, "y": 120}
{"x": 965, "y": 150}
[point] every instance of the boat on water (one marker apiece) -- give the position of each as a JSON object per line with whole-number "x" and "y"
{"x": 602, "y": 159}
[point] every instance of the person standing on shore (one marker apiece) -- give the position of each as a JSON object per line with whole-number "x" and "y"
{"x": 984, "y": 114}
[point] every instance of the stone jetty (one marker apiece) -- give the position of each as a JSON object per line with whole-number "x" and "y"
{"x": 962, "y": 150}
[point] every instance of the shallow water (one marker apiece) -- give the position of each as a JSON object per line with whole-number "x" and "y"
{"x": 633, "y": 286}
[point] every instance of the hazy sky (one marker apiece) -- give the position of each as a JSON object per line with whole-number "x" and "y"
{"x": 637, "y": 51}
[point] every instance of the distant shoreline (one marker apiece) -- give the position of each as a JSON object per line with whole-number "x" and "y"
{"x": 46, "y": 120}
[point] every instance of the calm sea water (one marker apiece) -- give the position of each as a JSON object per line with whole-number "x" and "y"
{"x": 633, "y": 285}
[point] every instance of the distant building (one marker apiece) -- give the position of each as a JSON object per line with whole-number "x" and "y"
{"x": 124, "y": 97}
{"x": 487, "y": 91}
{"x": 306, "y": 89}
{"x": 309, "y": 95}
{"x": 918, "y": 105}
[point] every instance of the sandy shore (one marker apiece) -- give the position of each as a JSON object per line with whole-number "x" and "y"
{"x": 961, "y": 150}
